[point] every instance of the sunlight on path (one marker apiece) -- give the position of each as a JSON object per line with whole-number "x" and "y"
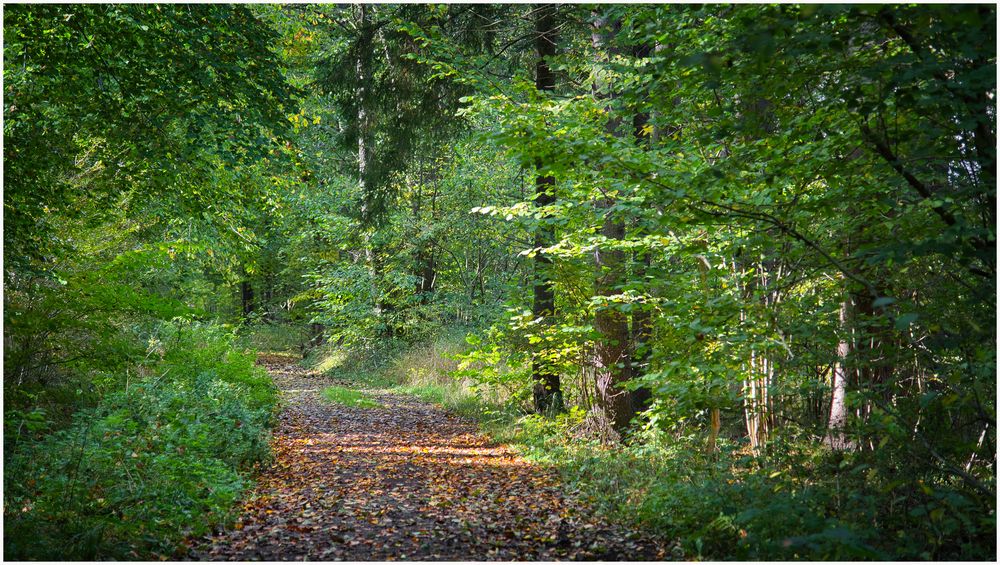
{"x": 405, "y": 480}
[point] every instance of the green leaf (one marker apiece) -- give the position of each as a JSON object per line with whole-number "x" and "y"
{"x": 904, "y": 321}
{"x": 883, "y": 301}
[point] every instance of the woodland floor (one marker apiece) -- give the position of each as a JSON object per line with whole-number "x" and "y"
{"x": 405, "y": 480}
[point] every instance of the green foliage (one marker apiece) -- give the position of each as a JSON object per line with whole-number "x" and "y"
{"x": 768, "y": 164}
{"x": 162, "y": 459}
{"x": 794, "y": 506}
{"x": 790, "y": 195}
{"x": 363, "y": 363}
{"x": 799, "y": 502}
{"x": 107, "y": 99}
{"x": 274, "y": 337}
{"x": 428, "y": 370}
{"x": 496, "y": 375}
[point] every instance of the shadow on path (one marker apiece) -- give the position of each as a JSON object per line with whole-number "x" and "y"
{"x": 406, "y": 480}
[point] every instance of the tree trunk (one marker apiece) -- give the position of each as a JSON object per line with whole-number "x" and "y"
{"x": 642, "y": 315}
{"x": 246, "y": 299}
{"x": 715, "y": 426}
{"x": 547, "y": 392}
{"x": 838, "y": 407}
{"x": 757, "y": 402}
{"x": 613, "y": 347}
{"x": 423, "y": 262}
{"x": 362, "y": 69}
{"x": 875, "y": 370}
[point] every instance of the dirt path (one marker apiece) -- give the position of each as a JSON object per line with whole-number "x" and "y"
{"x": 405, "y": 481}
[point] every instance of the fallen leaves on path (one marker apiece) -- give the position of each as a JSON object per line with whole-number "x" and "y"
{"x": 405, "y": 481}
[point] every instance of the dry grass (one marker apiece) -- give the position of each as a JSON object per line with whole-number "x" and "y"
{"x": 429, "y": 364}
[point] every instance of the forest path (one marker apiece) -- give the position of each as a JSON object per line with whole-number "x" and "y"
{"x": 407, "y": 481}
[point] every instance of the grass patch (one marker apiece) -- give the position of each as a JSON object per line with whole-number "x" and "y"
{"x": 361, "y": 365}
{"x": 348, "y": 397}
{"x": 422, "y": 370}
{"x": 452, "y": 396}
{"x": 328, "y": 360}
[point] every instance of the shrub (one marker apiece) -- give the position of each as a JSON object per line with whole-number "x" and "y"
{"x": 264, "y": 336}
{"x": 165, "y": 458}
{"x": 797, "y": 501}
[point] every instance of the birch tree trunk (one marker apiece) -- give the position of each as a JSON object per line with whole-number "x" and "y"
{"x": 838, "y": 406}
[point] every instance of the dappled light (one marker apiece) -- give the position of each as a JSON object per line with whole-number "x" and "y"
{"x": 405, "y": 480}
{"x": 491, "y": 281}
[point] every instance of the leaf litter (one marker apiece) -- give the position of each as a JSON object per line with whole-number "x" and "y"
{"x": 405, "y": 481}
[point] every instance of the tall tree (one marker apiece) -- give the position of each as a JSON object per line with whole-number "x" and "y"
{"x": 642, "y": 323}
{"x": 547, "y": 392}
{"x": 613, "y": 348}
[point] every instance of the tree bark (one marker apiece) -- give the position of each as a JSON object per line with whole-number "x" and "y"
{"x": 246, "y": 299}
{"x": 547, "y": 392}
{"x": 838, "y": 407}
{"x": 424, "y": 269}
{"x": 613, "y": 343}
{"x": 642, "y": 315}
{"x": 613, "y": 347}
{"x": 757, "y": 401}
{"x": 363, "y": 64}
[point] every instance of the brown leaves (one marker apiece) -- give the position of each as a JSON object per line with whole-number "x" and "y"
{"x": 404, "y": 481}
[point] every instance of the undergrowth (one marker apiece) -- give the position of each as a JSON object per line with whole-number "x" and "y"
{"x": 797, "y": 501}
{"x": 426, "y": 371}
{"x": 273, "y": 337}
{"x": 162, "y": 459}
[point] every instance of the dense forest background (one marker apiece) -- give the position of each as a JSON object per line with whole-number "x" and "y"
{"x": 732, "y": 269}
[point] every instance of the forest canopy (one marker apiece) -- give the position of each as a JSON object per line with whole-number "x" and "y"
{"x": 730, "y": 268}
